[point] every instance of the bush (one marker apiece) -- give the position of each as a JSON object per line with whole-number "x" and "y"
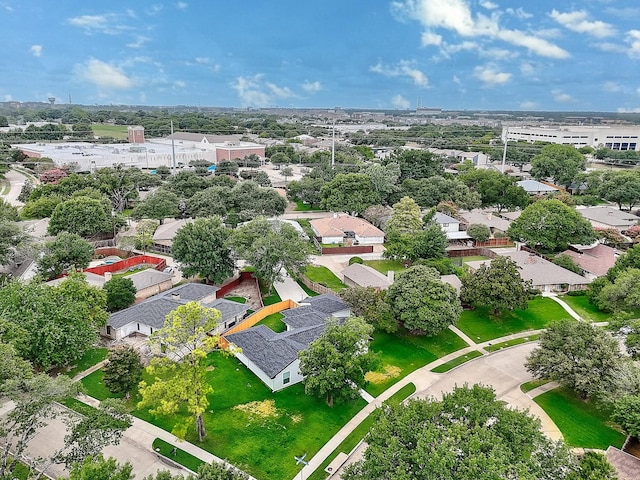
{"x": 577, "y": 293}
{"x": 479, "y": 232}
{"x": 353, "y": 260}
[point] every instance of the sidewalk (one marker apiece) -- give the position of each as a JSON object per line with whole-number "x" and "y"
{"x": 288, "y": 288}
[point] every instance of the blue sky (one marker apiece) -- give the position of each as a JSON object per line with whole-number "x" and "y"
{"x": 581, "y": 55}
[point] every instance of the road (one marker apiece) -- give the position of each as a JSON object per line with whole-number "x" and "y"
{"x": 16, "y": 181}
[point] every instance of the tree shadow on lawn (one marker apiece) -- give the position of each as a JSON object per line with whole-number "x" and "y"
{"x": 401, "y": 353}
{"x": 481, "y": 326}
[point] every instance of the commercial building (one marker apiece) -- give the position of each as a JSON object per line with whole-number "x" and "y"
{"x": 614, "y": 137}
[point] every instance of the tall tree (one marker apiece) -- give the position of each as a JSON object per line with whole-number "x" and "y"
{"x": 66, "y": 251}
{"x": 417, "y": 164}
{"x": 577, "y": 355}
{"x": 201, "y": 247}
{"x": 622, "y": 187}
{"x": 551, "y": 225}
{"x": 335, "y": 364}
{"x": 384, "y": 179}
{"x": 349, "y": 192}
{"x": 185, "y": 335}
{"x": 211, "y": 201}
{"x": 218, "y": 471}
{"x": 402, "y": 228}
{"x": 123, "y": 370}
{"x": 99, "y": 468}
{"x": 158, "y": 205}
{"x": 561, "y": 163}
{"x": 497, "y": 286}
{"x": 496, "y": 189}
{"x": 81, "y": 215}
{"x": 422, "y": 303}
{"x": 623, "y": 293}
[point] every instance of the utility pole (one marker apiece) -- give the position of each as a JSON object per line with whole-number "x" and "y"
{"x": 333, "y": 144}
{"x": 504, "y": 152}
{"x": 173, "y": 149}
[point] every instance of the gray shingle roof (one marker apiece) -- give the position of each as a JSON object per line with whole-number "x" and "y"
{"x": 151, "y": 312}
{"x": 148, "y": 278}
{"x": 365, "y": 276}
{"x": 326, "y": 303}
{"x": 191, "y": 292}
{"x": 228, "y": 309}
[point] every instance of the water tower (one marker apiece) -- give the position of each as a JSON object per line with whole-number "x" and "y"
{"x": 52, "y": 100}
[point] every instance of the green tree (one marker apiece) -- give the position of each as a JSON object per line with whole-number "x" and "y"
{"x": 577, "y": 355}
{"x": 201, "y": 247}
{"x": 551, "y": 225}
{"x": 120, "y": 184}
{"x": 187, "y": 184}
{"x": 211, "y": 201}
{"x": 431, "y": 242}
{"x": 123, "y": 370}
{"x": 250, "y": 200}
{"x": 306, "y": 190}
{"x": 623, "y": 293}
{"x": 384, "y": 179}
{"x": 218, "y": 471}
{"x": 593, "y": 466}
{"x": 121, "y": 293}
{"x": 286, "y": 172}
{"x": 158, "y": 205}
{"x": 561, "y": 163}
{"x": 417, "y": 164}
{"x": 8, "y": 212}
{"x": 335, "y": 364}
{"x": 99, "y": 468}
{"x": 468, "y": 434}
{"x": 479, "y": 232}
{"x": 422, "y": 303}
{"x": 81, "y": 215}
{"x": 12, "y": 241}
{"x": 429, "y": 192}
{"x": 404, "y": 224}
{"x": 566, "y": 261}
{"x": 182, "y": 383}
{"x": 497, "y": 286}
{"x": 496, "y": 189}
{"x": 349, "y": 192}
{"x": 65, "y": 252}
{"x": 622, "y": 187}
{"x": 371, "y": 305}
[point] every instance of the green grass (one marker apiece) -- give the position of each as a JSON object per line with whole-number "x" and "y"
{"x": 21, "y": 470}
{"x": 118, "y": 132}
{"x": 89, "y": 359}
{"x": 263, "y": 447}
{"x": 271, "y": 299}
{"x": 445, "y": 367}
{"x": 360, "y": 431}
{"x": 585, "y": 309}
{"x": 274, "y": 322}
{"x": 582, "y": 424}
{"x": 532, "y": 385}
{"x": 307, "y": 290}
{"x": 183, "y": 458}
{"x": 510, "y": 343}
{"x": 481, "y": 326}
{"x": 94, "y": 385}
{"x": 322, "y": 275}
{"x": 306, "y": 207}
{"x": 407, "y": 353}
{"x": 77, "y": 405}
{"x": 236, "y": 299}
{"x": 383, "y": 266}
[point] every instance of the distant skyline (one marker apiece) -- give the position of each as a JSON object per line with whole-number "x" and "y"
{"x": 379, "y": 54}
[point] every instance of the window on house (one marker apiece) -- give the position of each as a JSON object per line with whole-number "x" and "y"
{"x": 286, "y": 378}
{"x": 108, "y": 330}
{"x": 138, "y": 327}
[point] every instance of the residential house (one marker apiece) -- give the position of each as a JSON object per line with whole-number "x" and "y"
{"x": 484, "y": 217}
{"x": 358, "y": 275}
{"x": 533, "y": 187}
{"x": 450, "y": 226}
{"x": 150, "y": 282}
{"x": 162, "y": 240}
{"x": 609, "y": 217}
{"x": 273, "y": 357}
{"x": 341, "y": 228}
{"x": 627, "y": 465}
{"x": 594, "y": 261}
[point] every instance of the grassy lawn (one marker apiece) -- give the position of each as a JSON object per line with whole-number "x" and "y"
{"x": 510, "y": 343}
{"x": 306, "y": 207}
{"x": 95, "y": 388}
{"x": 274, "y": 322}
{"x": 271, "y": 299}
{"x": 359, "y": 432}
{"x": 236, "y": 299}
{"x": 532, "y": 384}
{"x": 401, "y": 353}
{"x": 183, "y": 458}
{"x": 307, "y": 290}
{"x": 383, "y": 266}
{"x": 262, "y": 445}
{"x": 582, "y": 424}
{"x": 445, "y": 367}
{"x": 324, "y": 276}
{"x": 585, "y": 309}
{"x": 481, "y": 326}
{"x": 118, "y": 132}
{"x": 89, "y": 359}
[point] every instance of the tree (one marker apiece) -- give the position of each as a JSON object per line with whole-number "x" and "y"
{"x": 402, "y": 228}
{"x": 12, "y": 241}
{"x": 218, "y": 471}
{"x": 182, "y": 383}
{"x": 187, "y": 184}
{"x": 623, "y": 293}
{"x": 593, "y": 466}
{"x": 428, "y": 192}
{"x": 349, "y": 192}
{"x": 562, "y": 163}
{"x": 335, "y": 364}
{"x": 431, "y": 242}
{"x": 123, "y": 370}
{"x": 626, "y": 413}
{"x": 99, "y": 468}
{"x": 84, "y": 216}
{"x": 384, "y": 178}
{"x": 370, "y": 304}
{"x": 566, "y": 261}
{"x": 496, "y": 189}
{"x": 622, "y": 187}
{"x": 497, "y": 286}
{"x": 121, "y": 184}
{"x": 551, "y": 225}
{"x": 306, "y": 190}
{"x": 479, "y": 232}
{"x": 271, "y": 248}
{"x": 468, "y": 434}
{"x": 65, "y": 252}
{"x": 158, "y": 205}
{"x": 201, "y": 247}
{"x": 577, "y": 355}
{"x": 422, "y": 303}
{"x": 121, "y": 292}
{"x": 208, "y": 202}
{"x": 417, "y": 164}
{"x": 286, "y": 172}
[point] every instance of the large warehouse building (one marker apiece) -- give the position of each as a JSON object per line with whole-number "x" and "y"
{"x": 612, "y": 137}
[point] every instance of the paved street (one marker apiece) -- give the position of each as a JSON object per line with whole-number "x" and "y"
{"x": 16, "y": 181}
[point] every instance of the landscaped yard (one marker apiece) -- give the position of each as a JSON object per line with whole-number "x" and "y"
{"x": 585, "y": 309}
{"x": 481, "y": 326}
{"x": 305, "y": 207}
{"x": 401, "y": 353}
{"x": 89, "y": 359}
{"x": 322, "y": 275}
{"x": 582, "y": 424}
{"x": 264, "y": 434}
{"x": 236, "y": 299}
{"x": 383, "y": 266}
{"x": 118, "y": 132}
{"x": 180, "y": 456}
{"x": 274, "y": 322}
{"x": 445, "y": 367}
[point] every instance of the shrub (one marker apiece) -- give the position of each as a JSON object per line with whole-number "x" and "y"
{"x": 353, "y": 260}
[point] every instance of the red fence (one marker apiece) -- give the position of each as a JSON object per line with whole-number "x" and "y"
{"x": 495, "y": 242}
{"x": 356, "y": 249}
{"x": 234, "y": 282}
{"x": 158, "y": 264}
{"x": 112, "y": 251}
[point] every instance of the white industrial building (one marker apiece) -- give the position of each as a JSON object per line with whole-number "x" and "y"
{"x": 614, "y": 137}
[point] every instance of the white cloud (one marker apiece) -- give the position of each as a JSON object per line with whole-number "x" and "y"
{"x": 527, "y": 69}
{"x": 456, "y": 16}
{"x": 255, "y": 92}
{"x": 612, "y": 87}
{"x": 560, "y": 96}
{"x": 8, "y": 98}
{"x": 106, "y": 23}
{"x": 139, "y": 42}
{"x": 312, "y": 87}
{"x": 399, "y": 102}
{"x": 404, "y": 68}
{"x": 455, "y": 79}
{"x": 633, "y": 38}
{"x": 179, "y": 84}
{"x": 280, "y": 92}
{"x": 490, "y": 76}
{"x": 528, "y": 105}
{"x": 154, "y": 9}
{"x": 519, "y": 13}
{"x": 182, "y": 5}
{"x": 430, "y": 38}
{"x": 576, "y": 21}
{"x": 488, "y": 5}
{"x": 103, "y": 75}
{"x": 6, "y": 7}
{"x": 36, "y": 50}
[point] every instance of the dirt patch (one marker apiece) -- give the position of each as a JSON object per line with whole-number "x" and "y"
{"x": 390, "y": 371}
{"x": 264, "y": 409}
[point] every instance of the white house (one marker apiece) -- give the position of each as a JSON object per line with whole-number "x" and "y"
{"x": 450, "y": 226}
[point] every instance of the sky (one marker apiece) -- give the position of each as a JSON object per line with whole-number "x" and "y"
{"x": 568, "y": 55}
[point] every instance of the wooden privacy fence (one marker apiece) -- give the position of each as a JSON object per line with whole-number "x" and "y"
{"x": 316, "y": 287}
{"x": 254, "y": 318}
{"x": 157, "y": 262}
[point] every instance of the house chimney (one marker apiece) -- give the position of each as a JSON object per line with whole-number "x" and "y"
{"x": 391, "y": 275}
{"x": 108, "y": 276}
{"x": 489, "y": 215}
{"x": 175, "y": 296}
